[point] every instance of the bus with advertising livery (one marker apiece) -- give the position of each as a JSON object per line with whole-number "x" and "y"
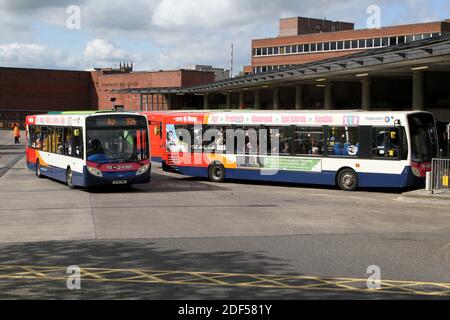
{"x": 350, "y": 149}
{"x": 89, "y": 149}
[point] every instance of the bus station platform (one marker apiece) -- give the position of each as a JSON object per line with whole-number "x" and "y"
{"x": 424, "y": 194}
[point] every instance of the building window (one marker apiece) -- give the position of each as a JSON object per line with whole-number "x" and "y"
{"x": 300, "y": 48}
{"x": 306, "y": 48}
{"x": 333, "y": 45}
{"x": 275, "y": 50}
{"x": 393, "y": 41}
{"x": 270, "y": 51}
{"x": 313, "y": 47}
{"x": 362, "y": 43}
{"x": 401, "y": 39}
{"x": 427, "y": 35}
{"x": 385, "y": 42}
{"x": 354, "y": 44}
{"x": 347, "y": 45}
{"x": 258, "y": 51}
{"x": 288, "y": 49}
{"x": 377, "y": 42}
{"x": 282, "y": 50}
{"x": 326, "y": 46}
{"x": 410, "y": 38}
{"x": 436, "y": 34}
{"x": 340, "y": 45}
{"x": 369, "y": 43}
{"x": 264, "y": 51}
{"x": 320, "y": 47}
{"x": 294, "y": 49}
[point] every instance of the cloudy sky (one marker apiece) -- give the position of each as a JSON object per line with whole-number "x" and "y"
{"x": 167, "y": 34}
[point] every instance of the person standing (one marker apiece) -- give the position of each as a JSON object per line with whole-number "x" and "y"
{"x": 16, "y": 134}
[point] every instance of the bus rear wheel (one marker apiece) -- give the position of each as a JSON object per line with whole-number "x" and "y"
{"x": 69, "y": 178}
{"x": 216, "y": 173}
{"x": 348, "y": 180}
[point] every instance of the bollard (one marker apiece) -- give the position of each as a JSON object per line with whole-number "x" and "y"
{"x": 428, "y": 186}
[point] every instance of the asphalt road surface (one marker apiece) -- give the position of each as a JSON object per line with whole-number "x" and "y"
{"x": 186, "y": 238}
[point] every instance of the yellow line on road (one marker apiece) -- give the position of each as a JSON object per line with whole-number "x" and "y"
{"x": 281, "y": 282}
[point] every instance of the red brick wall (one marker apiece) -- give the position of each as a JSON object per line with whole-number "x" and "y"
{"x": 336, "y": 36}
{"x": 44, "y": 90}
{"x": 106, "y": 83}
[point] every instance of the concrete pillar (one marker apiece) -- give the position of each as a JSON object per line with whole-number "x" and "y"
{"x": 328, "y": 96}
{"x": 258, "y": 99}
{"x": 366, "y": 95}
{"x": 276, "y": 99}
{"x": 228, "y": 101}
{"x": 299, "y": 102}
{"x": 241, "y": 99}
{"x": 206, "y": 102}
{"x": 418, "y": 99}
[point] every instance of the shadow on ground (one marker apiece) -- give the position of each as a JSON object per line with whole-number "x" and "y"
{"x": 148, "y": 256}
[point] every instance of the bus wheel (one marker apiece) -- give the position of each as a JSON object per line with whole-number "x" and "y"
{"x": 216, "y": 173}
{"x": 69, "y": 178}
{"x": 38, "y": 170}
{"x": 348, "y": 180}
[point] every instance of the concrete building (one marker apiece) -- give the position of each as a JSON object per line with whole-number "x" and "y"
{"x": 219, "y": 74}
{"x": 305, "y": 40}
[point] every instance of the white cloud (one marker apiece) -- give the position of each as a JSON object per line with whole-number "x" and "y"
{"x": 102, "y": 50}
{"x": 31, "y": 55}
{"x": 159, "y": 34}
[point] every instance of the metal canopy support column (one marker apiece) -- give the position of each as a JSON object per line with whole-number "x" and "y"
{"x": 299, "y": 104}
{"x": 418, "y": 100}
{"x": 228, "y": 101}
{"x": 328, "y": 96}
{"x": 366, "y": 95}
{"x": 257, "y": 99}
{"x": 241, "y": 99}
{"x": 206, "y": 102}
{"x": 276, "y": 99}
{"x": 169, "y": 101}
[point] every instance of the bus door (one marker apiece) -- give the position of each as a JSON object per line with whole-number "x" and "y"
{"x": 156, "y": 134}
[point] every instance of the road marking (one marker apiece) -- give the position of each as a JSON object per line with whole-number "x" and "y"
{"x": 142, "y": 276}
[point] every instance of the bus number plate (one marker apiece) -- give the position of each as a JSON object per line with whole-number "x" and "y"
{"x": 120, "y": 182}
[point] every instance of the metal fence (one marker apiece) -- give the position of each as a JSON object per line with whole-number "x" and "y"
{"x": 440, "y": 175}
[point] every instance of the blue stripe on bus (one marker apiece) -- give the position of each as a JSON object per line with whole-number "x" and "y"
{"x": 370, "y": 180}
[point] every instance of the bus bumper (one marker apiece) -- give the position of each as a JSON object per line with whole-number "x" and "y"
{"x": 112, "y": 179}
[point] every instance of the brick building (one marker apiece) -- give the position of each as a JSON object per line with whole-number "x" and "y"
{"x": 30, "y": 91}
{"x": 305, "y": 40}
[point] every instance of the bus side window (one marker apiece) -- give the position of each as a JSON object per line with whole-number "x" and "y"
{"x": 386, "y": 142}
{"x": 343, "y": 141}
{"x": 78, "y": 143}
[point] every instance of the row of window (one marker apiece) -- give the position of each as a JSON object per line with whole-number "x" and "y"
{"x": 385, "y": 143}
{"x": 67, "y": 141}
{"x": 341, "y": 45}
{"x": 260, "y": 69}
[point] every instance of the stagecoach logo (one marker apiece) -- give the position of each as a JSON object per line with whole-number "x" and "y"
{"x": 351, "y": 120}
{"x": 388, "y": 119}
{"x": 120, "y": 167}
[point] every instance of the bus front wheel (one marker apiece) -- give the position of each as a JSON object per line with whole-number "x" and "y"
{"x": 348, "y": 180}
{"x": 38, "y": 170}
{"x": 69, "y": 178}
{"x": 216, "y": 173}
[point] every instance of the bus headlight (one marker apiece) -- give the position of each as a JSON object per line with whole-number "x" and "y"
{"x": 143, "y": 170}
{"x": 95, "y": 172}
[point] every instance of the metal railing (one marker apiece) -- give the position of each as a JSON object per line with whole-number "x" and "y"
{"x": 440, "y": 175}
